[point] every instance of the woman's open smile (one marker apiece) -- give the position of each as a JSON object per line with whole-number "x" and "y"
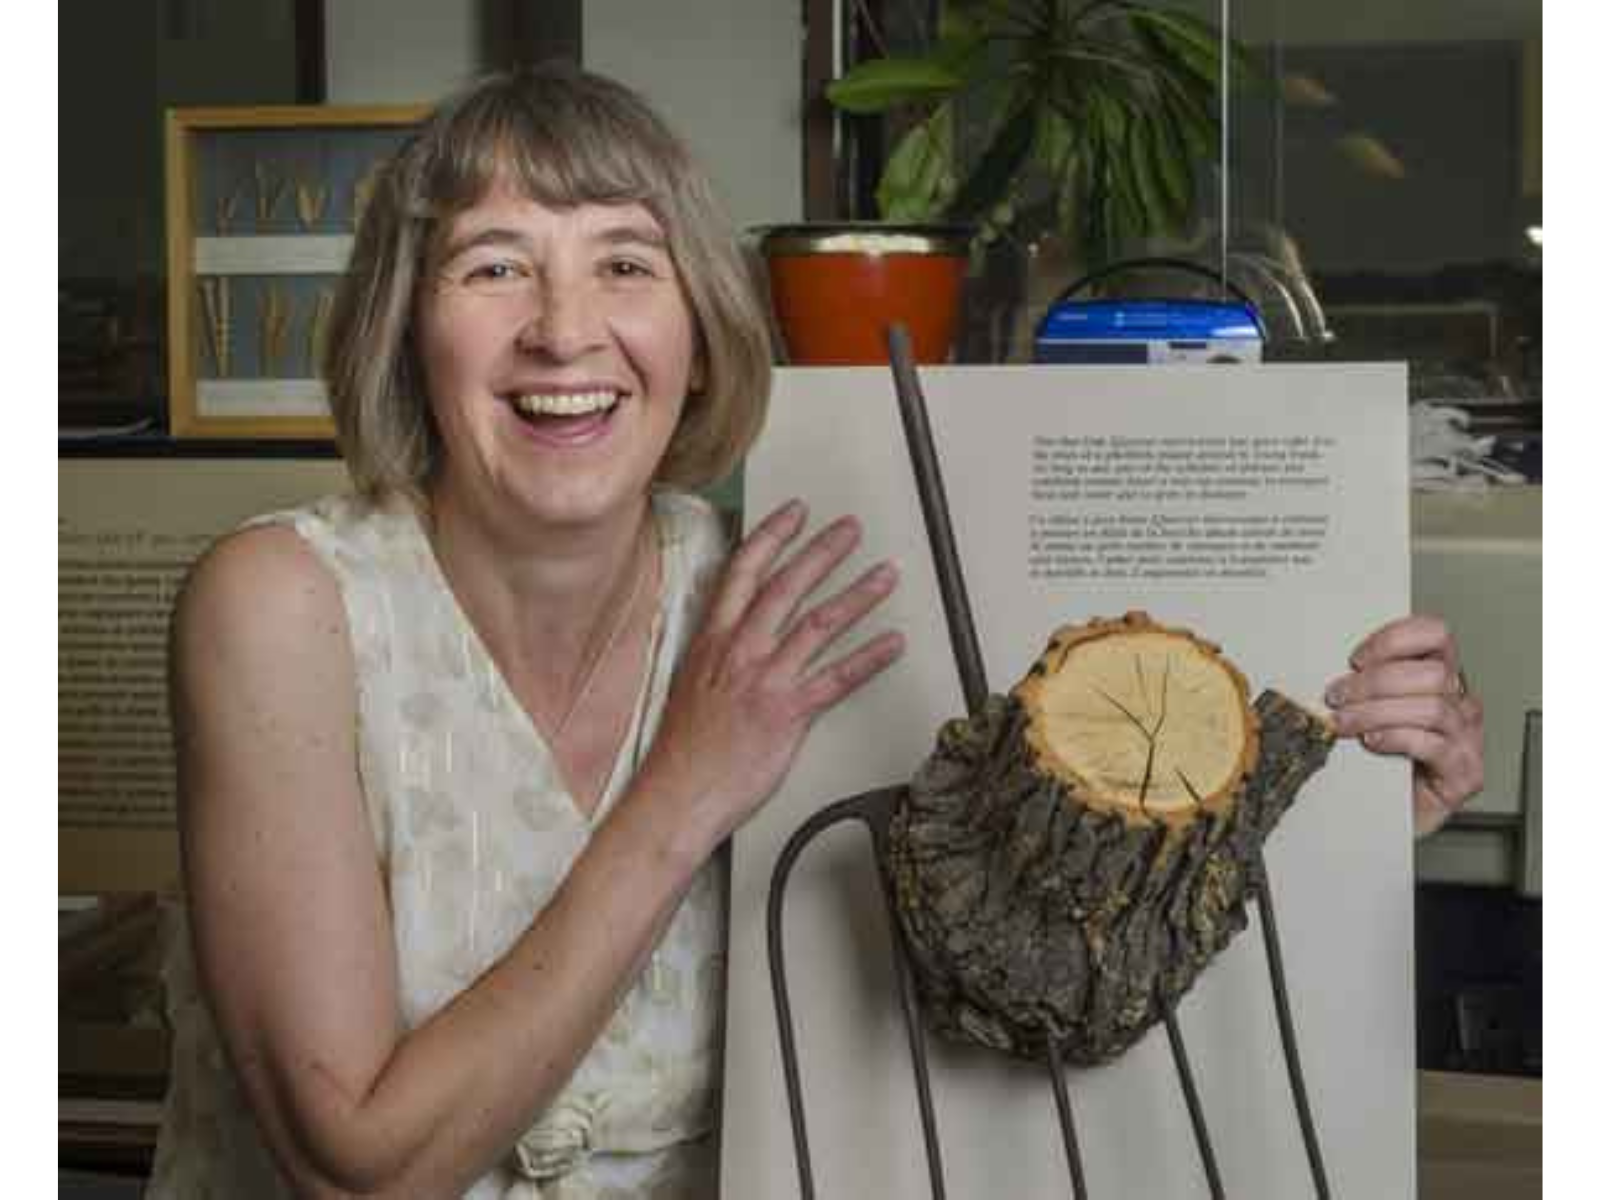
{"x": 567, "y": 417}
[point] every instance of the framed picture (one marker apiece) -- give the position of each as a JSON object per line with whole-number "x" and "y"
{"x": 262, "y": 207}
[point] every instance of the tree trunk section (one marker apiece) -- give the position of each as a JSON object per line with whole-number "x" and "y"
{"x": 1071, "y": 858}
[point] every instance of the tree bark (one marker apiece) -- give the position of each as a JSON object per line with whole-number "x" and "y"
{"x": 1072, "y": 857}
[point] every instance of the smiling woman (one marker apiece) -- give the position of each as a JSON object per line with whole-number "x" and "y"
{"x": 457, "y": 749}
{"x": 559, "y": 151}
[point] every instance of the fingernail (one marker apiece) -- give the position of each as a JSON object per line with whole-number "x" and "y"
{"x": 1334, "y": 695}
{"x": 1372, "y": 741}
{"x": 885, "y": 574}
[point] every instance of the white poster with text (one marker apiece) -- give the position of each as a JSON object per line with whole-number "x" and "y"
{"x": 1264, "y": 508}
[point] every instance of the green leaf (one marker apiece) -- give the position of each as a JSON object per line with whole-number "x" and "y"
{"x": 1130, "y": 200}
{"x": 1175, "y": 158}
{"x": 1195, "y": 41}
{"x": 1191, "y": 103}
{"x": 995, "y": 176}
{"x": 1127, "y": 219}
{"x": 1069, "y": 214}
{"x": 1199, "y": 45}
{"x": 1056, "y": 142}
{"x": 884, "y": 83}
{"x": 1106, "y": 109}
{"x": 1201, "y": 129}
{"x": 918, "y": 173}
{"x": 1145, "y": 176}
{"x": 1171, "y": 69}
{"x": 1090, "y": 220}
{"x": 1119, "y": 206}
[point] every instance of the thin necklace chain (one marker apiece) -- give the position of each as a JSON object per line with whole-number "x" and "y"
{"x": 586, "y": 681}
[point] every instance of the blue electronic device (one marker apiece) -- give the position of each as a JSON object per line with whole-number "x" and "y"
{"x": 1148, "y": 331}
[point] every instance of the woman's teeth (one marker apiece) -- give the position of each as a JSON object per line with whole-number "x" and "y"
{"x": 564, "y": 404}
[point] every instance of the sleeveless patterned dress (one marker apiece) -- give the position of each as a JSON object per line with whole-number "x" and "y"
{"x": 475, "y": 831}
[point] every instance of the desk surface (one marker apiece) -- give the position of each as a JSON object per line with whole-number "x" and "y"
{"x": 1479, "y": 1137}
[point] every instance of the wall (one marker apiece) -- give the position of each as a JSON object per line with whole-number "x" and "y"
{"x": 123, "y": 65}
{"x": 725, "y": 73}
{"x": 399, "y": 51}
{"x": 106, "y": 231}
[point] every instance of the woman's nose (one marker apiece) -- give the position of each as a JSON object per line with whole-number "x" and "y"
{"x": 564, "y": 325}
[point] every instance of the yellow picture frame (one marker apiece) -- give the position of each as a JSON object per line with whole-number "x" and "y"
{"x": 262, "y": 205}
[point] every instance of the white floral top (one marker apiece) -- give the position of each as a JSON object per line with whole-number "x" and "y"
{"x": 475, "y": 832}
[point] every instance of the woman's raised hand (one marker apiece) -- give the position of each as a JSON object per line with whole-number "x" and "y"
{"x": 1406, "y": 695}
{"x": 758, "y": 672}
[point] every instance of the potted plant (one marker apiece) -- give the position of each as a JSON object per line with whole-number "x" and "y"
{"x": 1092, "y": 117}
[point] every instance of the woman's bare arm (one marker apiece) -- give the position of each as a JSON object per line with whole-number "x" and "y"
{"x": 293, "y": 939}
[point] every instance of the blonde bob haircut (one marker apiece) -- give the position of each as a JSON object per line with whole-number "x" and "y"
{"x": 561, "y": 137}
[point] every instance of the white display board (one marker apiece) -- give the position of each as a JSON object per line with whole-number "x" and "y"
{"x": 1264, "y": 507}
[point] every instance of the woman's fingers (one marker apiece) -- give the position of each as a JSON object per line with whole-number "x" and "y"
{"x": 822, "y": 625}
{"x": 749, "y": 687}
{"x": 1448, "y": 769}
{"x": 830, "y": 684}
{"x": 1438, "y": 714}
{"x": 787, "y": 586}
{"x": 1406, "y": 677}
{"x": 1423, "y": 746}
{"x": 759, "y": 596}
{"x": 750, "y": 564}
{"x": 1431, "y": 807}
{"x": 1406, "y": 696}
{"x": 1416, "y": 636}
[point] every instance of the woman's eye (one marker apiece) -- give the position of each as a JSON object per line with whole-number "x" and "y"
{"x": 493, "y": 274}
{"x": 628, "y": 268}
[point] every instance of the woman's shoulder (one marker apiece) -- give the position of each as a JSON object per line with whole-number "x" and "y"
{"x": 259, "y": 575}
{"x": 258, "y": 626}
{"x": 295, "y": 565}
{"x": 286, "y": 567}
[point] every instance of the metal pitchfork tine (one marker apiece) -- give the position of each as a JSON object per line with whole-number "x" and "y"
{"x": 874, "y": 809}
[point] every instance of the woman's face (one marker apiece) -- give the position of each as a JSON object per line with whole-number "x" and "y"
{"x": 557, "y": 347}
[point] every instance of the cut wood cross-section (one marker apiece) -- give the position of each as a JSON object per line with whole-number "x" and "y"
{"x": 1150, "y": 723}
{"x": 1073, "y": 856}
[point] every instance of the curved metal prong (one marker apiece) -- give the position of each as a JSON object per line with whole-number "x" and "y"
{"x": 1191, "y": 1098}
{"x": 1069, "y": 1134}
{"x": 873, "y": 809}
{"x": 1291, "y": 1049}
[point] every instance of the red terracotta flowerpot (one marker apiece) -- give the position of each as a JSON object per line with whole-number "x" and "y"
{"x": 837, "y": 287}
